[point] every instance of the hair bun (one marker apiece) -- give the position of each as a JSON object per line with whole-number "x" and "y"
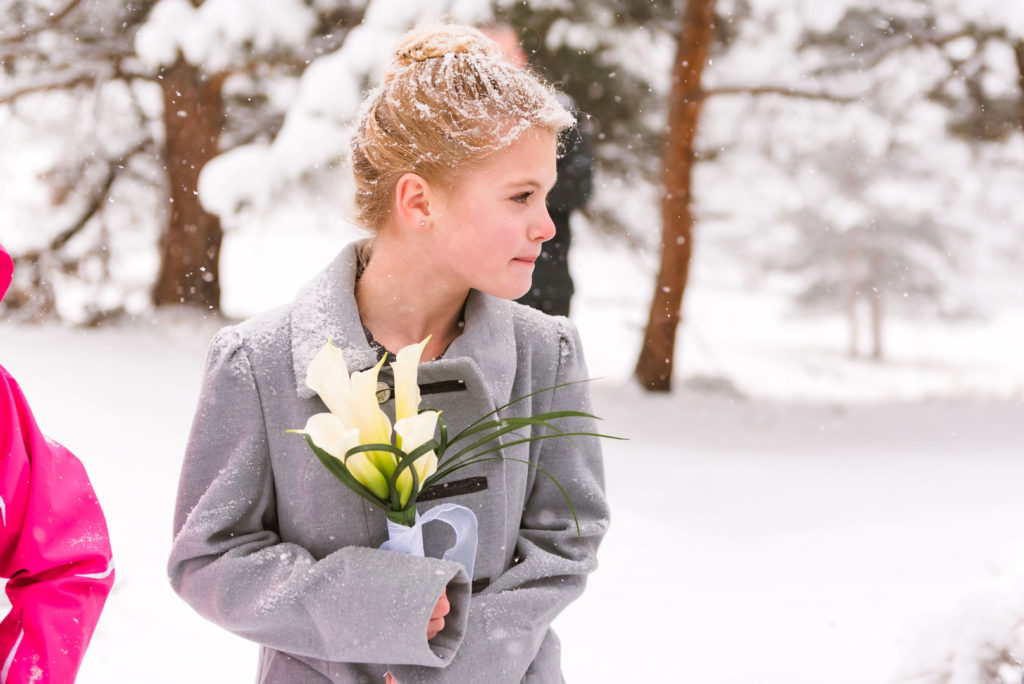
{"x": 431, "y": 42}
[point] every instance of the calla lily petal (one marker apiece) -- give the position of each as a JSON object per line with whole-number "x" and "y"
{"x": 362, "y": 469}
{"x": 407, "y": 392}
{"x": 425, "y": 465}
{"x": 330, "y": 434}
{"x": 328, "y": 376}
{"x": 374, "y": 426}
{"x": 413, "y": 432}
{"x": 327, "y": 370}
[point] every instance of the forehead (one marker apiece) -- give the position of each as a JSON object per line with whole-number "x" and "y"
{"x": 531, "y": 157}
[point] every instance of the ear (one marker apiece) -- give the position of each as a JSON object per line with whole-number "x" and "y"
{"x": 413, "y": 197}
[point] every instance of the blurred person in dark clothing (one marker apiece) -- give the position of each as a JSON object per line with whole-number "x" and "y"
{"x": 552, "y": 285}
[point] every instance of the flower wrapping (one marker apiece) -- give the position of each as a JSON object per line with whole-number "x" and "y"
{"x": 406, "y": 539}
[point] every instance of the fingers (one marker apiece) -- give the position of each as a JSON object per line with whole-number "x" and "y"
{"x": 434, "y": 627}
{"x": 443, "y": 607}
{"x": 436, "y": 623}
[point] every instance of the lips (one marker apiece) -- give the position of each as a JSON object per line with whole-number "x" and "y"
{"x": 527, "y": 259}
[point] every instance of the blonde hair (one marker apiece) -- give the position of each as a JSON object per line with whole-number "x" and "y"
{"x": 448, "y": 99}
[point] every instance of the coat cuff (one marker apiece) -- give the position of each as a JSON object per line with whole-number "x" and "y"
{"x": 400, "y": 591}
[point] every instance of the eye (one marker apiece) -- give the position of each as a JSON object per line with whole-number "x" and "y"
{"x": 522, "y": 197}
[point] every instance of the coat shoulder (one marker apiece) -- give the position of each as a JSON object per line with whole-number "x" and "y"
{"x": 262, "y": 338}
{"x": 547, "y": 338}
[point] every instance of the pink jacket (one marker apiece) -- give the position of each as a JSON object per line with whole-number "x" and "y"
{"x": 54, "y": 546}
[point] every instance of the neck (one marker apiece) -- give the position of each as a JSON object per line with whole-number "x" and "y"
{"x": 401, "y": 300}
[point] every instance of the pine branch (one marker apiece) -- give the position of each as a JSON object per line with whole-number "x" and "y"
{"x": 69, "y": 82}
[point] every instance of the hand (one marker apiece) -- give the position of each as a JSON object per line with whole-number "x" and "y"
{"x": 436, "y": 623}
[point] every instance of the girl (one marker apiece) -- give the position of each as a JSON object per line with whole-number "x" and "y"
{"x": 54, "y": 547}
{"x": 453, "y": 158}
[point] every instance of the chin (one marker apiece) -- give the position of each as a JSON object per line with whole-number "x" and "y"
{"x": 509, "y": 291}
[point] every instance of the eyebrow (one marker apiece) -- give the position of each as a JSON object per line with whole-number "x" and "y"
{"x": 528, "y": 183}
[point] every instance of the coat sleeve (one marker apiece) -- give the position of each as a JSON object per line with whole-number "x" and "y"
{"x": 509, "y": 620}
{"x": 356, "y": 605}
{"x": 55, "y": 550}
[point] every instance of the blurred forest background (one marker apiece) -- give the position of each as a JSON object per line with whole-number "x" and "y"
{"x": 807, "y": 216}
{"x": 868, "y": 154}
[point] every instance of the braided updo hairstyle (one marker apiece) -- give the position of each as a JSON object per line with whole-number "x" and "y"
{"x": 448, "y": 99}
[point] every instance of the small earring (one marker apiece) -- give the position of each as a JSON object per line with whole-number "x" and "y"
{"x": 422, "y": 223}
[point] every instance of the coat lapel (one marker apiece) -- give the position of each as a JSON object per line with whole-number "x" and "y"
{"x": 489, "y": 342}
{"x": 326, "y": 308}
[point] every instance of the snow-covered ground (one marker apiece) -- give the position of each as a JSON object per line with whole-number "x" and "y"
{"x": 785, "y": 516}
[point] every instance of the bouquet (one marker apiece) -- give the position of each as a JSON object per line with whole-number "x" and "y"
{"x": 390, "y": 465}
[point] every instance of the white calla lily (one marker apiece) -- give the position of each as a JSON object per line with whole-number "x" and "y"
{"x": 330, "y": 434}
{"x": 327, "y": 375}
{"x": 374, "y": 426}
{"x": 363, "y": 469}
{"x": 407, "y": 392}
{"x": 413, "y": 432}
{"x": 356, "y": 419}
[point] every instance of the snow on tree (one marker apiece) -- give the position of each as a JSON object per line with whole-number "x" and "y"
{"x": 128, "y": 101}
{"x": 307, "y": 157}
{"x": 701, "y": 41}
{"x": 864, "y": 242}
{"x": 932, "y": 73}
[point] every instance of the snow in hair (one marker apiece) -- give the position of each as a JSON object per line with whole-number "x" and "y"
{"x": 448, "y": 99}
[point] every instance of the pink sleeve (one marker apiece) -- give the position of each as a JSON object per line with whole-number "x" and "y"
{"x": 54, "y": 548}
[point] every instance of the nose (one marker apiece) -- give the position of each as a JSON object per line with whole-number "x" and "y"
{"x": 544, "y": 229}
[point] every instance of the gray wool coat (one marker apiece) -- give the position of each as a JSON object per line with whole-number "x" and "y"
{"x": 270, "y": 546}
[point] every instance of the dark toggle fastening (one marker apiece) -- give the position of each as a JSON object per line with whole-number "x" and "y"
{"x": 385, "y": 391}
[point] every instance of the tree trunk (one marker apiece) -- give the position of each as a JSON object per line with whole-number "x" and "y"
{"x": 876, "y": 322}
{"x": 190, "y": 243}
{"x": 853, "y": 350}
{"x": 654, "y": 367}
{"x": 1018, "y": 50}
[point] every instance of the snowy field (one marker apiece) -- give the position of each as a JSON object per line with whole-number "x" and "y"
{"x": 786, "y": 516}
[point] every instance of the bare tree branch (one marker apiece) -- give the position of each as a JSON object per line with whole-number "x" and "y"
{"x": 775, "y": 90}
{"x": 51, "y": 22}
{"x": 914, "y": 41}
{"x": 114, "y": 166}
{"x": 81, "y": 79}
{"x": 101, "y": 49}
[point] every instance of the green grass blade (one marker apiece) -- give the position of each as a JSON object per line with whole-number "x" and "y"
{"x": 565, "y": 494}
{"x": 477, "y": 457}
{"x": 524, "y": 397}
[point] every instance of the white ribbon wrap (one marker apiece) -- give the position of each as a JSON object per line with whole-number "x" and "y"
{"x": 462, "y": 520}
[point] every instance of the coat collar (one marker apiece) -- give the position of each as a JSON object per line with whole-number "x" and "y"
{"x": 326, "y": 308}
